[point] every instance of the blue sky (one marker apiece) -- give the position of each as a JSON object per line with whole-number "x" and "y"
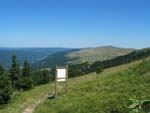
{"x": 74, "y": 23}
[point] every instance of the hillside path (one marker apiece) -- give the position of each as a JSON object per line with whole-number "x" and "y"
{"x": 31, "y": 108}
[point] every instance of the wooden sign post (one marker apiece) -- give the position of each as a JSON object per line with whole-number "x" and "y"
{"x": 61, "y": 75}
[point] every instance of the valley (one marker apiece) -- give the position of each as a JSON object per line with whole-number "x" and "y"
{"x": 31, "y": 54}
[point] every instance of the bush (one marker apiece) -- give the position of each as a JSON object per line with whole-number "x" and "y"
{"x": 99, "y": 70}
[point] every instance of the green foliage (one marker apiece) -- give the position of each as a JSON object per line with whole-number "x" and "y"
{"x": 109, "y": 93}
{"x": 79, "y": 69}
{"x": 26, "y": 69}
{"x": 14, "y": 71}
{"x": 41, "y": 77}
{"x": 137, "y": 105}
{"x": 25, "y": 81}
{"x": 5, "y": 86}
{"x": 99, "y": 70}
{"x": 26, "y": 98}
{"x": 1, "y": 69}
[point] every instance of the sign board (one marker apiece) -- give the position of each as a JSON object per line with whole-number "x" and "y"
{"x": 61, "y": 75}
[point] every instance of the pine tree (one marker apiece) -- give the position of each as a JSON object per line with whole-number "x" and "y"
{"x": 45, "y": 76}
{"x": 26, "y": 72}
{"x": 1, "y": 69}
{"x": 25, "y": 80}
{"x": 14, "y": 71}
{"x": 5, "y": 86}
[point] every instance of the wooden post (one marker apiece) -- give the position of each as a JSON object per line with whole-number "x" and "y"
{"x": 66, "y": 79}
{"x": 56, "y": 81}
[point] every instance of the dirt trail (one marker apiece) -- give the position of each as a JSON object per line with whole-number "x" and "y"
{"x": 31, "y": 108}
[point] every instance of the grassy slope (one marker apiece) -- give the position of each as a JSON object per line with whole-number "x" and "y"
{"x": 109, "y": 93}
{"x": 98, "y": 54}
{"x": 75, "y": 99}
{"x": 24, "y": 99}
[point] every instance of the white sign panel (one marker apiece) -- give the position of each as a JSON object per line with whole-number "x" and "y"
{"x": 61, "y": 80}
{"x": 61, "y": 75}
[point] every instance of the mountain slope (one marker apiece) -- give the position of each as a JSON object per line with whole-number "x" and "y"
{"x": 88, "y": 86}
{"x": 50, "y": 61}
{"x": 26, "y": 98}
{"x": 30, "y": 54}
{"x": 109, "y": 93}
{"x": 81, "y": 55}
{"x": 98, "y": 54}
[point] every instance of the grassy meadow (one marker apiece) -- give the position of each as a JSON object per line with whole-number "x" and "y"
{"x": 108, "y": 92}
{"x": 97, "y": 54}
{"x": 25, "y": 99}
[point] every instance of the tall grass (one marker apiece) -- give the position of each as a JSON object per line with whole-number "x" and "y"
{"x": 26, "y": 98}
{"x": 108, "y": 93}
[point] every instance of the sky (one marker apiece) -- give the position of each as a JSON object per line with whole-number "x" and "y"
{"x": 75, "y": 23}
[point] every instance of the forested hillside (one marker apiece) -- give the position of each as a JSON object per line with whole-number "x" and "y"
{"x": 84, "y": 68}
{"x": 30, "y": 54}
{"x": 19, "y": 78}
{"x": 79, "y": 56}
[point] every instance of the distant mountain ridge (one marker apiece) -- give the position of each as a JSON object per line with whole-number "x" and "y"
{"x": 99, "y": 53}
{"x": 31, "y": 54}
{"x": 78, "y": 56}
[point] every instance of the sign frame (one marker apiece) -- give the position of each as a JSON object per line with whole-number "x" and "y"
{"x": 61, "y": 79}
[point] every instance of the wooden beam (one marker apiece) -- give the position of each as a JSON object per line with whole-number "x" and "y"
{"x": 56, "y": 81}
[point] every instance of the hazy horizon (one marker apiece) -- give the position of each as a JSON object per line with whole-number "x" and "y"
{"x": 72, "y": 47}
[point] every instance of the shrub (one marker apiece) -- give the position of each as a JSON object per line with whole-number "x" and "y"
{"x": 99, "y": 70}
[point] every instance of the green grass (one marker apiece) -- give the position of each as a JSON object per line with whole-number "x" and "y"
{"x": 24, "y": 99}
{"x": 89, "y": 93}
{"x": 108, "y": 93}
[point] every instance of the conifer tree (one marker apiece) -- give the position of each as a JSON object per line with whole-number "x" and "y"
{"x": 1, "y": 69}
{"x": 25, "y": 80}
{"x": 5, "y": 86}
{"x": 14, "y": 71}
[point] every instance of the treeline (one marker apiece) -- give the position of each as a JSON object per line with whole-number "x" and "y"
{"x": 98, "y": 66}
{"x": 41, "y": 76}
{"x": 85, "y": 68}
{"x": 19, "y": 78}
{"x": 136, "y": 55}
